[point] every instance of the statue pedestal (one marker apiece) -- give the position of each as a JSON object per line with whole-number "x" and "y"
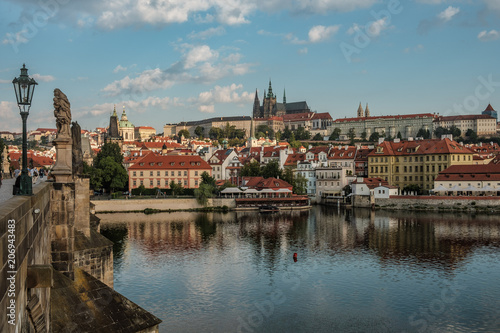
{"x": 62, "y": 170}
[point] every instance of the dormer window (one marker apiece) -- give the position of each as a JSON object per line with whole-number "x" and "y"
{"x": 172, "y": 163}
{"x": 182, "y": 163}
{"x": 141, "y": 164}
{"x": 151, "y": 163}
{"x": 160, "y": 163}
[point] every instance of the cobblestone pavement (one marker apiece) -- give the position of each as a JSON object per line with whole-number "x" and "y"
{"x": 6, "y": 188}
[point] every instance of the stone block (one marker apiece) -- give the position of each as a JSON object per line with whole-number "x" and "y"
{"x": 39, "y": 276}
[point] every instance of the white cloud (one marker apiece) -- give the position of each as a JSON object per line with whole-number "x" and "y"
{"x": 448, "y": 13}
{"x": 417, "y": 48}
{"x": 321, "y": 6}
{"x": 321, "y": 33}
{"x": 199, "y": 54}
{"x": 373, "y": 29}
{"x": 198, "y": 64}
{"x": 119, "y": 68}
{"x": 487, "y": 36}
{"x": 207, "y": 108}
{"x": 493, "y": 4}
{"x": 10, "y": 120}
{"x": 303, "y": 51}
{"x": 43, "y": 78}
{"x": 219, "y": 31}
{"x": 15, "y": 38}
{"x": 228, "y": 94}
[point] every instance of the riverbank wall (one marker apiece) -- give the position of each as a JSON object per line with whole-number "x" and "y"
{"x": 429, "y": 203}
{"x": 137, "y": 205}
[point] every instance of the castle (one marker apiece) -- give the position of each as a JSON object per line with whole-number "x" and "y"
{"x": 271, "y": 108}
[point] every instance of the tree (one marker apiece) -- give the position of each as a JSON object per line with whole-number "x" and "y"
{"x": 413, "y": 188}
{"x": 207, "y": 189}
{"x": 286, "y": 134}
{"x": 215, "y": 133}
{"x": 455, "y": 131}
{"x": 2, "y": 146}
{"x": 399, "y": 136}
{"x": 335, "y": 134}
{"x": 141, "y": 189}
{"x": 363, "y": 136}
{"x": 318, "y": 137}
{"x": 426, "y": 134}
{"x": 251, "y": 169}
{"x": 108, "y": 171}
{"x": 440, "y": 131}
{"x": 347, "y": 190}
{"x": 266, "y": 130}
{"x": 298, "y": 182}
{"x": 471, "y": 135}
{"x": 302, "y": 134}
{"x": 374, "y": 137}
{"x": 272, "y": 169}
{"x": 199, "y": 131}
{"x": 176, "y": 188}
{"x": 351, "y": 135}
{"x": 184, "y": 133}
{"x": 113, "y": 174}
{"x": 278, "y": 135}
{"x": 207, "y": 179}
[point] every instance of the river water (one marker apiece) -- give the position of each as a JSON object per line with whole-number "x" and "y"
{"x": 356, "y": 271}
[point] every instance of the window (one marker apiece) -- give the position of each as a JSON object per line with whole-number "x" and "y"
{"x": 151, "y": 173}
{"x": 133, "y": 173}
{"x": 397, "y": 169}
{"x": 135, "y": 183}
{"x": 196, "y": 173}
{"x": 158, "y": 173}
{"x": 427, "y": 158}
{"x": 179, "y": 173}
{"x": 166, "y": 173}
{"x": 151, "y": 183}
{"x": 142, "y": 183}
{"x": 410, "y": 159}
{"x": 172, "y": 173}
{"x": 185, "y": 182}
{"x": 405, "y": 169}
{"x": 196, "y": 182}
{"x": 386, "y": 169}
{"x": 158, "y": 183}
{"x": 141, "y": 174}
{"x": 185, "y": 173}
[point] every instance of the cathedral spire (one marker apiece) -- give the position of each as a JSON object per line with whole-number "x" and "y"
{"x": 367, "y": 111}
{"x": 360, "y": 111}
{"x": 114, "y": 112}
{"x": 256, "y": 106}
{"x": 270, "y": 92}
{"x": 284, "y": 96}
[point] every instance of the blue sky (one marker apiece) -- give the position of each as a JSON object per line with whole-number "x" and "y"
{"x": 177, "y": 60}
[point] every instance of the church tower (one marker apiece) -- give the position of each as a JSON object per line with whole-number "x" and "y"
{"x": 367, "y": 111}
{"x": 360, "y": 111}
{"x": 256, "y": 106}
{"x": 113, "y": 135}
{"x": 269, "y": 103}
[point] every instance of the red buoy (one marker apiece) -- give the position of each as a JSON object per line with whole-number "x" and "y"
{"x": 295, "y": 257}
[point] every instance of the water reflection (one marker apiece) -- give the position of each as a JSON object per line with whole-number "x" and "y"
{"x": 356, "y": 270}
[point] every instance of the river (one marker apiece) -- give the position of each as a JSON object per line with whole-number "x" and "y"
{"x": 356, "y": 271}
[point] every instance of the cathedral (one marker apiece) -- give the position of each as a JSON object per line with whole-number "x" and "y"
{"x": 271, "y": 108}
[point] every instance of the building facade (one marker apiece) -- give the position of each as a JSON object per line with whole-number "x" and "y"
{"x": 158, "y": 171}
{"x": 404, "y": 163}
{"x": 483, "y": 124}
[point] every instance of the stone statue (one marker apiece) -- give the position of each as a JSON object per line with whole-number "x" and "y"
{"x": 76, "y": 153}
{"x": 62, "y": 112}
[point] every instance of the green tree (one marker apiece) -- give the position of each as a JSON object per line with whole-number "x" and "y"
{"x": 440, "y": 131}
{"x": 302, "y": 134}
{"x": 203, "y": 193}
{"x": 278, "y": 135}
{"x": 184, "y": 132}
{"x": 251, "y": 169}
{"x": 207, "y": 179}
{"x": 426, "y": 134}
{"x": 317, "y": 137}
{"x": 109, "y": 149}
{"x": 272, "y": 169}
{"x": 215, "y": 133}
{"x": 351, "y": 135}
{"x": 399, "y": 136}
{"x": 266, "y": 130}
{"x": 141, "y": 189}
{"x": 177, "y": 189}
{"x": 363, "y": 136}
{"x": 2, "y": 146}
{"x": 335, "y": 134}
{"x": 347, "y": 190}
{"x": 374, "y": 137}
{"x": 113, "y": 174}
{"x": 455, "y": 131}
{"x": 413, "y": 188}
{"x": 199, "y": 131}
{"x": 298, "y": 182}
{"x": 471, "y": 135}
{"x": 44, "y": 139}
{"x": 287, "y": 134}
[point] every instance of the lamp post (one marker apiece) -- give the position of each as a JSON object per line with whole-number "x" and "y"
{"x": 24, "y": 86}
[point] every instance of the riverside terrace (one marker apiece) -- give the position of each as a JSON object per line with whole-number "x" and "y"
{"x": 257, "y": 191}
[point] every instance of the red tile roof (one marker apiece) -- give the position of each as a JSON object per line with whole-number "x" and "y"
{"x": 324, "y": 115}
{"x": 470, "y": 173}
{"x": 420, "y": 147}
{"x": 153, "y": 161}
{"x": 298, "y": 116}
{"x": 464, "y": 117}
{"x": 261, "y": 183}
{"x": 372, "y": 183}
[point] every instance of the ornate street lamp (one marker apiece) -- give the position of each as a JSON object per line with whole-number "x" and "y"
{"x": 24, "y": 86}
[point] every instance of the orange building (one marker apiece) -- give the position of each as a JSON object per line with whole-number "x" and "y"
{"x": 158, "y": 171}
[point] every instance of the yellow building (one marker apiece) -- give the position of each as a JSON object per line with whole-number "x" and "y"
{"x": 404, "y": 163}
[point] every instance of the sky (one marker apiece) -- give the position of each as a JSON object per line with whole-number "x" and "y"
{"x": 168, "y": 61}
